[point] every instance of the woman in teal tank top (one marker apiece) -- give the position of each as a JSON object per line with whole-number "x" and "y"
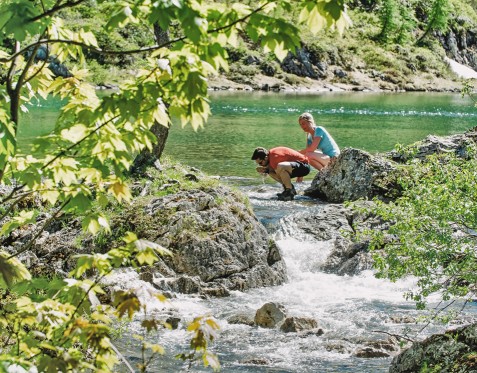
{"x": 321, "y": 148}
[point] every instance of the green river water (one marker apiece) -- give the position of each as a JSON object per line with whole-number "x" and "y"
{"x": 241, "y": 121}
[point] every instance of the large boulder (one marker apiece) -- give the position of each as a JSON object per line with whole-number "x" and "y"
{"x": 217, "y": 243}
{"x": 270, "y": 315}
{"x": 453, "y": 351}
{"x": 353, "y": 175}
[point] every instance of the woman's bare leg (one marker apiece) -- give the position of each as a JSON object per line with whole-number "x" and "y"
{"x": 318, "y": 160}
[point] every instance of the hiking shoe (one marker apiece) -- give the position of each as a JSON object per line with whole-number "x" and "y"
{"x": 285, "y": 189}
{"x": 287, "y": 195}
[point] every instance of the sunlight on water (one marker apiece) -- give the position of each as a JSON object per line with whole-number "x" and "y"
{"x": 349, "y": 111}
{"x": 374, "y": 122}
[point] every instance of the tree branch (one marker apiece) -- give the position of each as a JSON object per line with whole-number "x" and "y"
{"x": 12, "y": 205}
{"x": 435, "y": 315}
{"x": 127, "y": 52}
{"x": 243, "y": 19}
{"x": 63, "y": 152}
{"x": 397, "y": 336}
{"x": 40, "y": 231}
{"x": 68, "y": 4}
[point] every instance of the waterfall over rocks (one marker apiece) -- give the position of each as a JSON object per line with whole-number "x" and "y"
{"x": 332, "y": 227}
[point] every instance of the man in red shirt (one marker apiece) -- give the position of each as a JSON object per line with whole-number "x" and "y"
{"x": 282, "y": 164}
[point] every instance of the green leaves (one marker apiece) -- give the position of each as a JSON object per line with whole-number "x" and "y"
{"x": 204, "y": 331}
{"x": 23, "y": 218}
{"x": 126, "y": 302}
{"x": 317, "y": 15}
{"x": 11, "y": 271}
{"x": 135, "y": 252}
{"x": 432, "y": 233}
{"x": 15, "y": 19}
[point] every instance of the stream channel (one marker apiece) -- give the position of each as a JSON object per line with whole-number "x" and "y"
{"x": 352, "y": 310}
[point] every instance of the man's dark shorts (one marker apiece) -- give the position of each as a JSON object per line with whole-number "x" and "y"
{"x": 299, "y": 169}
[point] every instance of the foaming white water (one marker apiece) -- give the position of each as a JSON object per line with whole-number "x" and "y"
{"x": 351, "y": 310}
{"x": 304, "y": 260}
{"x": 128, "y": 279}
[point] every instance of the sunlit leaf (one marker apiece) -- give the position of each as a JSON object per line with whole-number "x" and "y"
{"x": 75, "y": 133}
{"x": 155, "y": 348}
{"x": 11, "y": 271}
{"x": 126, "y": 302}
{"x": 120, "y": 191}
{"x": 23, "y": 218}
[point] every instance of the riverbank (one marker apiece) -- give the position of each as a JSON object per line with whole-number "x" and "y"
{"x": 355, "y": 81}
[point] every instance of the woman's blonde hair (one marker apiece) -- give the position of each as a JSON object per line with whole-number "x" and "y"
{"x": 306, "y": 116}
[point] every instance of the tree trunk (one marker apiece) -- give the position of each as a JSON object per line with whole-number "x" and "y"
{"x": 146, "y": 157}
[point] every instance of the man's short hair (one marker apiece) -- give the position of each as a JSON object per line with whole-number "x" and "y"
{"x": 259, "y": 153}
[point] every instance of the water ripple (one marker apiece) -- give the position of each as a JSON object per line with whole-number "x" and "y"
{"x": 346, "y": 111}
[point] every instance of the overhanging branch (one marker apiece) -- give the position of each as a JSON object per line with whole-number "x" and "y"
{"x": 126, "y": 52}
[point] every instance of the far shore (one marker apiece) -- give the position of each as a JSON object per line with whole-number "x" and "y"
{"x": 355, "y": 82}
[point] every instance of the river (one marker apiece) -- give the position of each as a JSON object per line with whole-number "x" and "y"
{"x": 350, "y": 309}
{"x": 374, "y": 122}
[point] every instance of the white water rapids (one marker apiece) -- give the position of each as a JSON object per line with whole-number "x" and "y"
{"x": 352, "y": 310}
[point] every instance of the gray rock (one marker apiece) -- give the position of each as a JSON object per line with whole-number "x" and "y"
{"x": 302, "y": 64}
{"x": 216, "y": 291}
{"x": 182, "y": 284}
{"x": 340, "y": 73}
{"x": 348, "y": 258}
{"x": 270, "y": 315}
{"x": 456, "y": 144}
{"x": 376, "y": 349}
{"x": 256, "y": 361}
{"x": 453, "y": 351}
{"x": 215, "y": 238}
{"x": 355, "y": 174}
{"x": 298, "y": 324}
{"x": 173, "y": 321}
{"x": 312, "y": 332}
{"x": 242, "y": 318}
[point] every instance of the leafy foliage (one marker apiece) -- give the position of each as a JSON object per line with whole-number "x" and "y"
{"x": 438, "y": 18}
{"x": 400, "y": 19}
{"x": 53, "y": 324}
{"x": 433, "y": 229}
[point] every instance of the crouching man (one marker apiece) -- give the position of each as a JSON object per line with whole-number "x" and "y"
{"x": 282, "y": 164}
